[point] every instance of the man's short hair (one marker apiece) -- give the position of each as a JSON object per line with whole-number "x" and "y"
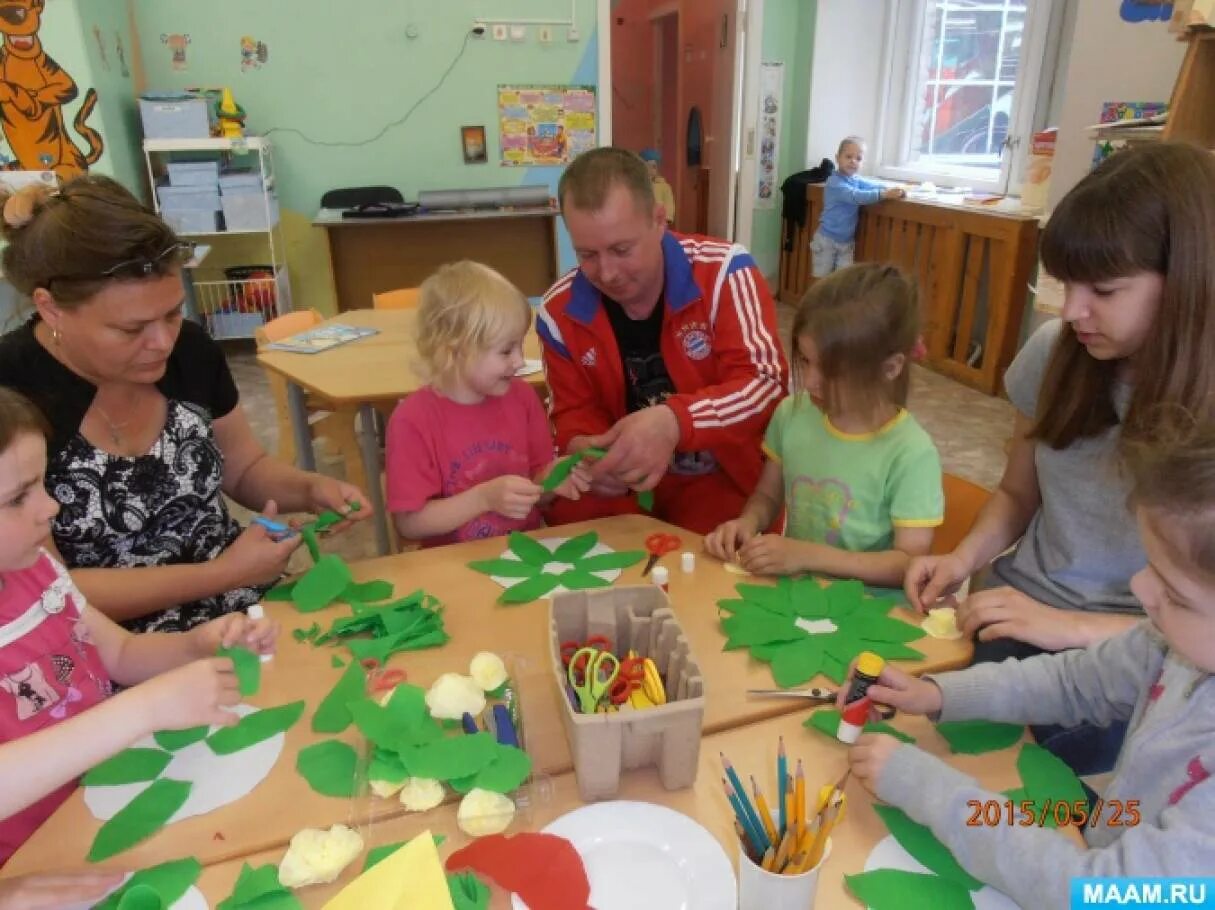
{"x": 587, "y": 181}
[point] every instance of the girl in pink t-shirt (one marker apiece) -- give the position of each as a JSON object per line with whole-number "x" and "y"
{"x": 59, "y": 659}
{"x": 466, "y": 453}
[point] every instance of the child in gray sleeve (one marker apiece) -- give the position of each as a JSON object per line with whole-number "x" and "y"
{"x": 1158, "y": 676}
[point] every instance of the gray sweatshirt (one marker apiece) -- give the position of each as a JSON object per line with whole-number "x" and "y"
{"x": 1165, "y": 764}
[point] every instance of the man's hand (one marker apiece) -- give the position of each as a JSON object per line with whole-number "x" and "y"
{"x": 640, "y": 446}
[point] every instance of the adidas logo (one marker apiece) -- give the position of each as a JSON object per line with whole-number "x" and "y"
{"x": 590, "y": 358}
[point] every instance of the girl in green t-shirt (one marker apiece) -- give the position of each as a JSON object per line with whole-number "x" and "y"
{"x": 858, "y": 478}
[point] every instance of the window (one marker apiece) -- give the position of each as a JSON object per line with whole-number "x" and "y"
{"x": 962, "y": 89}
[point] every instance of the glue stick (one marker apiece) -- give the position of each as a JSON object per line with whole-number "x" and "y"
{"x": 257, "y": 611}
{"x": 661, "y": 577}
{"x": 868, "y": 669}
{"x": 852, "y": 720}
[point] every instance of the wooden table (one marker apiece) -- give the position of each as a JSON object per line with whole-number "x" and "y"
{"x": 373, "y": 255}
{"x": 283, "y": 804}
{"x": 752, "y": 749}
{"x": 372, "y": 371}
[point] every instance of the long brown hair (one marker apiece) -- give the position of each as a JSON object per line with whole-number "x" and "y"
{"x": 858, "y": 317}
{"x": 64, "y": 241}
{"x": 1148, "y": 209}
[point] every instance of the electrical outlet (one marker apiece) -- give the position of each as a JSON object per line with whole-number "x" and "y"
{"x": 518, "y": 33}
{"x": 500, "y": 33}
{"x": 572, "y": 34}
{"x": 544, "y": 34}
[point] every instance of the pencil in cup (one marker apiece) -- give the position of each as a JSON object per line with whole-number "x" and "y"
{"x": 782, "y": 773}
{"x": 765, "y": 816}
{"x": 754, "y": 836}
{"x": 754, "y": 826}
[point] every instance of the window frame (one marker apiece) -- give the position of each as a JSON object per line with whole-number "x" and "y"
{"x": 903, "y": 33}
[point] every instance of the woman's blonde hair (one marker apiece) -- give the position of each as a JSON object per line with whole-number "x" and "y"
{"x": 858, "y": 317}
{"x": 465, "y": 308}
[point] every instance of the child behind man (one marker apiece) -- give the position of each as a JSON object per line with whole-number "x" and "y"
{"x": 466, "y": 453}
{"x": 859, "y": 478}
{"x": 834, "y": 242}
{"x": 1159, "y": 808}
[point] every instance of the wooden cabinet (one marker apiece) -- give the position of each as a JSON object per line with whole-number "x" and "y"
{"x": 1192, "y": 107}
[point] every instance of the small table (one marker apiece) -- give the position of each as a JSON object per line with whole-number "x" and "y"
{"x": 373, "y": 255}
{"x": 283, "y": 804}
{"x": 376, "y": 370}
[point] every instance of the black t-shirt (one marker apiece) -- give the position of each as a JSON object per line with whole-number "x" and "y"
{"x": 197, "y": 374}
{"x": 646, "y": 380}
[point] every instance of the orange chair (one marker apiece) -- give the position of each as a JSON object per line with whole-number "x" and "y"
{"x": 336, "y": 426}
{"x": 963, "y": 502}
{"x": 400, "y": 299}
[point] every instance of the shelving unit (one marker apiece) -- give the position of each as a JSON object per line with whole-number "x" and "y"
{"x": 232, "y": 301}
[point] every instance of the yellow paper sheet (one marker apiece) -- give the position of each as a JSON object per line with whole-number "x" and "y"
{"x": 412, "y": 878}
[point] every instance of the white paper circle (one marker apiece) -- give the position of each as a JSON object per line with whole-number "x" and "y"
{"x": 556, "y": 568}
{"x": 217, "y": 779}
{"x": 888, "y": 854}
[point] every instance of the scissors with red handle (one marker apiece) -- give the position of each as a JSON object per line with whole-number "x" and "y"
{"x": 570, "y": 648}
{"x": 659, "y": 545}
{"x": 629, "y": 677}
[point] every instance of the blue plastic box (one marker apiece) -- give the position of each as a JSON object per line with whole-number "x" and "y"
{"x": 193, "y": 173}
{"x": 175, "y": 115}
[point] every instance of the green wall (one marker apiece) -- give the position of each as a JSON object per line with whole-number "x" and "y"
{"x": 789, "y": 39}
{"x": 102, "y": 27}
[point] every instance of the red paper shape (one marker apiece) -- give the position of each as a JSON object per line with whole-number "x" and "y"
{"x": 543, "y": 869}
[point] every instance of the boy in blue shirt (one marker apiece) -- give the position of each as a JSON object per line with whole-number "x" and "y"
{"x": 845, "y": 193}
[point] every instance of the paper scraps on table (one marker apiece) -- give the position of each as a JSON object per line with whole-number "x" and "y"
{"x": 802, "y": 628}
{"x": 254, "y": 728}
{"x": 544, "y": 870}
{"x": 259, "y": 889}
{"x": 322, "y": 585}
{"x": 333, "y": 713}
{"x": 827, "y": 720}
{"x": 248, "y": 668}
{"x": 409, "y": 623}
{"x": 407, "y": 878}
{"x": 894, "y": 889}
{"x": 531, "y": 569}
{"x": 329, "y": 767}
{"x": 130, "y": 766}
{"x": 146, "y": 814}
{"x": 167, "y": 881}
{"x": 468, "y": 892}
{"x": 974, "y": 737}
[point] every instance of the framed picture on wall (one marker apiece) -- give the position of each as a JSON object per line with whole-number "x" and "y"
{"x": 473, "y": 140}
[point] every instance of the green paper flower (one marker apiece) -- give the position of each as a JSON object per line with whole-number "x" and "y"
{"x": 528, "y": 557}
{"x": 803, "y": 628}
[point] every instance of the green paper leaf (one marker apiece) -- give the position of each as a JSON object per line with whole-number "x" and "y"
{"x": 505, "y": 568}
{"x": 141, "y": 897}
{"x": 645, "y": 499}
{"x": 875, "y": 627}
{"x": 368, "y": 591}
{"x": 1047, "y": 777}
{"x": 559, "y": 472}
{"x": 179, "y": 739}
{"x": 167, "y": 882}
{"x": 529, "y": 590}
{"x": 577, "y": 580}
{"x": 130, "y": 766}
{"x": 529, "y": 550}
{"x": 508, "y": 770}
{"x": 327, "y": 520}
{"x": 774, "y": 600}
{"x": 759, "y": 627}
{"x": 259, "y": 889}
{"x": 603, "y": 562}
{"x": 254, "y": 728}
{"x": 974, "y": 737}
{"x": 827, "y": 720}
{"x": 797, "y": 662}
{"x": 333, "y": 713}
{"x": 314, "y": 548}
{"x": 844, "y": 598}
{"x": 922, "y": 844}
{"x": 576, "y": 547}
{"x": 453, "y": 757}
{"x": 896, "y": 889}
{"x": 322, "y": 585}
{"x": 329, "y": 767}
{"x": 139, "y": 819}
{"x": 280, "y": 593}
{"x": 248, "y": 668}
{"x": 834, "y": 668}
{"x": 336, "y": 662}
{"x": 467, "y": 891}
{"x": 810, "y": 599}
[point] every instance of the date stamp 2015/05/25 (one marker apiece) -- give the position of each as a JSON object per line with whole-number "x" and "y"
{"x": 991, "y": 813}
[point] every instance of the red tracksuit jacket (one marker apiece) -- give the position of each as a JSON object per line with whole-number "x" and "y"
{"x": 719, "y": 342}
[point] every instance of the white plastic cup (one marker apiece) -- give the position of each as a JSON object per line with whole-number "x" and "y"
{"x": 759, "y": 889}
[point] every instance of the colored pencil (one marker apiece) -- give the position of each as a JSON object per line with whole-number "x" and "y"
{"x": 781, "y": 774}
{"x": 756, "y": 826}
{"x": 764, "y": 815}
{"x": 754, "y": 835}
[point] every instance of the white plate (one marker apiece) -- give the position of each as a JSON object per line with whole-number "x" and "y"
{"x": 640, "y": 856}
{"x": 889, "y": 854}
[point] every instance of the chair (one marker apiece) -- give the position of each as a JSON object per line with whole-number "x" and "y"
{"x": 349, "y": 197}
{"x": 337, "y": 426}
{"x": 400, "y": 299}
{"x": 963, "y": 502}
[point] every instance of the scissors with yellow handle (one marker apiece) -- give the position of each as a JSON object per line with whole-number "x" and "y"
{"x": 650, "y": 692}
{"x": 591, "y": 674}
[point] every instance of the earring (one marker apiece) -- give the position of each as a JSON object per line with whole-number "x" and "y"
{"x": 56, "y": 336}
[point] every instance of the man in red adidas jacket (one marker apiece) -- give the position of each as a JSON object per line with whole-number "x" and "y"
{"x": 661, "y": 348}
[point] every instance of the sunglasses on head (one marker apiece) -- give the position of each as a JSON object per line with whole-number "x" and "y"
{"x": 178, "y": 253}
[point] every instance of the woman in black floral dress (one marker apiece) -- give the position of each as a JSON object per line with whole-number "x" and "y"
{"x": 147, "y": 434}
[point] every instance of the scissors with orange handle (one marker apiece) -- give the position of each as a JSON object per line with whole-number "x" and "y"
{"x": 659, "y": 545}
